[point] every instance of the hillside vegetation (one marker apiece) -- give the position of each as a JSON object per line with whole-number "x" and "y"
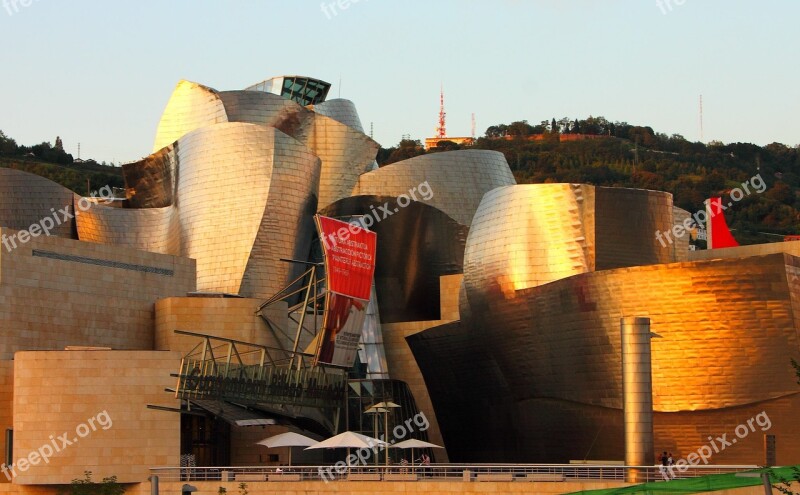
{"x": 53, "y": 163}
{"x": 596, "y": 151}
{"x": 592, "y": 151}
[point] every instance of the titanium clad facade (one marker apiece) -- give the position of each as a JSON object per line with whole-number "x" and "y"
{"x": 221, "y": 212}
{"x": 625, "y": 222}
{"x": 508, "y": 248}
{"x": 694, "y": 322}
{"x": 345, "y": 151}
{"x": 149, "y": 229}
{"x": 343, "y": 111}
{"x": 244, "y": 197}
{"x": 228, "y": 187}
{"x": 266, "y": 109}
{"x": 478, "y": 172}
{"x": 191, "y": 106}
{"x": 345, "y": 154}
{"x": 151, "y": 182}
{"x": 726, "y": 332}
{"x": 468, "y": 389}
{"x": 530, "y": 235}
{"x": 680, "y": 245}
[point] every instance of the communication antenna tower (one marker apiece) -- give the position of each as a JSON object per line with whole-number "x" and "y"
{"x": 441, "y": 131}
{"x": 473, "y": 125}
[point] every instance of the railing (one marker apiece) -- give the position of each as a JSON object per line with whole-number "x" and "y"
{"x": 442, "y": 472}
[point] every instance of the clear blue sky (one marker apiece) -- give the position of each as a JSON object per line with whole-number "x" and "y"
{"x": 100, "y": 73}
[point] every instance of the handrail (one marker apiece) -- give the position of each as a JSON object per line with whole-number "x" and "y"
{"x": 457, "y": 472}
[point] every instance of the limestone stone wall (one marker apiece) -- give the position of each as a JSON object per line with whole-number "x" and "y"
{"x": 89, "y": 408}
{"x": 57, "y": 292}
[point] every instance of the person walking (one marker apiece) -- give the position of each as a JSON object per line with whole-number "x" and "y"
{"x": 662, "y": 468}
{"x": 671, "y": 466}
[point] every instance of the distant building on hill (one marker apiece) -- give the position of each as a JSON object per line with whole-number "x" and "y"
{"x": 432, "y": 142}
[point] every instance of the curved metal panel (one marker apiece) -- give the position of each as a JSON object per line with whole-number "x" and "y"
{"x": 227, "y": 174}
{"x": 561, "y": 340}
{"x": 478, "y": 172}
{"x": 191, "y": 106}
{"x": 256, "y": 107}
{"x": 340, "y": 110}
{"x": 680, "y": 245}
{"x": 345, "y": 154}
{"x": 469, "y": 394}
{"x": 149, "y": 229}
{"x": 533, "y": 234}
{"x": 150, "y": 182}
{"x": 528, "y": 235}
{"x": 626, "y": 223}
{"x": 287, "y": 227}
{"x": 725, "y": 334}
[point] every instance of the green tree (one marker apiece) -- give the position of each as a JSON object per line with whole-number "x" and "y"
{"x": 406, "y": 149}
{"x": 521, "y": 128}
{"x": 782, "y": 193}
{"x": 497, "y": 131}
{"x": 7, "y": 145}
{"x": 85, "y": 486}
{"x": 785, "y": 484}
{"x": 446, "y": 146}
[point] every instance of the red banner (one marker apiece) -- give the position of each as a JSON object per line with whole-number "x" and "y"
{"x": 349, "y": 252}
{"x": 344, "y": 320}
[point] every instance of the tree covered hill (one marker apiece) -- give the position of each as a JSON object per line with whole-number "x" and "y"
{"x": 51, "y": 162}
{"x": 597, "y": 151}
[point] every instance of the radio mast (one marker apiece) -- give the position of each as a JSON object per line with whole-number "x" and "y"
{"x": 441, "y": 131}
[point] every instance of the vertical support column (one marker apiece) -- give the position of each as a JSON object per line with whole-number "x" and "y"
{"x": 637, "y": 395}
{"x": 153, "y": 484}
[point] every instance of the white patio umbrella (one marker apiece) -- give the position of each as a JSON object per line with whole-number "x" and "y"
{"x": 289, "y": 439}
{"x": 348, "y": 440}
{"x": 412, "y": 444}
